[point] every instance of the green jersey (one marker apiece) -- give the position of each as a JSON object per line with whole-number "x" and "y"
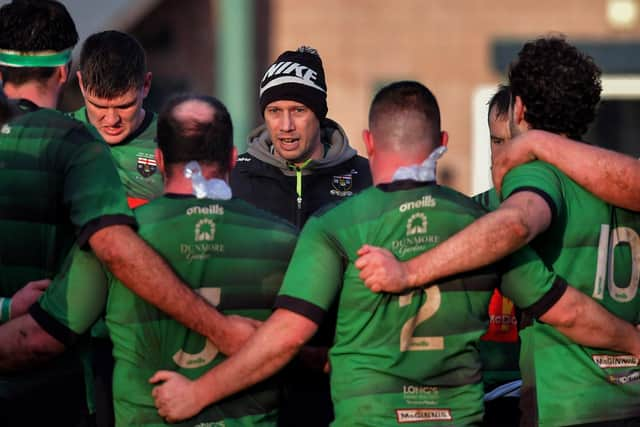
{"x": 595, "y": 247}
{"x": 397, "y": 358}
{"x": 233, "y": 254}
{"x": 135, "y": 159}
{"x": 58, "y": 185}
{"x": 500, "y": 346}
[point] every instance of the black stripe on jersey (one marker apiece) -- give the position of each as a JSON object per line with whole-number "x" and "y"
{"x": 301, "y": 307}
{"x": 539, "y": 192}
{"x": 104, "y": 221}
{"x": 51, "y": 326}
{"x": 404, "y": 184}
{"x": 485, "y": 279}
{"x": 543, "y": 305}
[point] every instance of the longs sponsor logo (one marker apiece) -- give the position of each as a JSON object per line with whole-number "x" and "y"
{"x": 422, "y": 415}
{"x": 611, "y": 361}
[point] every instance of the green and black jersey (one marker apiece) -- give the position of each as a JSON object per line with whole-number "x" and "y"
{"x": 135, "y": 159}
{"x": 500, "y": 345}
{"x": 595, "y": 247}
{"x": 231, "y": 253}
{"x": 58, "y": 185}
{"x": 406, "y": 358}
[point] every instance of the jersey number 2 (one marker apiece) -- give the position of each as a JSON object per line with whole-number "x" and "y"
{"x": 604, "y": 273}
{"x": 407, "y": 341}
{"x": 209, "y": 352}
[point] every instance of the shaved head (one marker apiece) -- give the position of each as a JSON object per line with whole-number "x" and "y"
{"x": 405, "y": 117}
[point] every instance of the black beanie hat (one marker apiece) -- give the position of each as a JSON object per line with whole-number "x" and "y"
{"x": 296, "y": 76}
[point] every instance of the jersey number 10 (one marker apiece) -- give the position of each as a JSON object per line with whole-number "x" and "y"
{"x": 604, "y": 273}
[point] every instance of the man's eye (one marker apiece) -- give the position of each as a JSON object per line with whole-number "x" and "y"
{"x": 497, "y": 140}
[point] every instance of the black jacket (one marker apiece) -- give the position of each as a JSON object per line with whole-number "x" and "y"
{"x": 269, "y": 182}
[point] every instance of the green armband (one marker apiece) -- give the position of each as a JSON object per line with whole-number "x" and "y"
{"x": 5, "y": 309}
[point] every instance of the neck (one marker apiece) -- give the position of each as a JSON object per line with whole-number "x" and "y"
{"x": 383, "y": 173}
{"x": 177, "y": 183}
{"x": 35, "y": 92}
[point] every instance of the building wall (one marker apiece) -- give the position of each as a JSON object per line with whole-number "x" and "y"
{"x": 445, "y": 44}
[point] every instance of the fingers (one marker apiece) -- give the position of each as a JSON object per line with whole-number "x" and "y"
{"x": 364, "y": 250}
{"x": 39, "y": 284}
{"x": 160, "y": 376}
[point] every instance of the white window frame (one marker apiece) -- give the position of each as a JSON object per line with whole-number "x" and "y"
{"x": 619, "y": 87}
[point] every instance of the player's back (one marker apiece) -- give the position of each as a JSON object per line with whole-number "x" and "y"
{"x": 235, "y": 256}
{"x": 56, "y": 178}
{"x": 595, "y": 247}
{"x": 411, "y": 357}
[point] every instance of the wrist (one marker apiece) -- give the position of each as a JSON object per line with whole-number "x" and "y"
{"x": 5, "y": 309}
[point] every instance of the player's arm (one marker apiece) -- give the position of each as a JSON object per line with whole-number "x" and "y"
{"x": 25, "y": 343}
{"x": 611, "y": 176}
{"x": 491, "y": 237}
{"x": 274, "y": 344}
{"x": 143, "y": 271}
{"x": 586, "y": 322}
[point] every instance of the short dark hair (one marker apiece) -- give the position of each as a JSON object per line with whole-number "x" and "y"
{"x": 405, "y": 96}
{"x": 31, "y": 26}
{"x": 559, "y": 85}
{"x": 500, "y": 101}
{"x": 111, "y": 64}
{"x": 183, "y": 140}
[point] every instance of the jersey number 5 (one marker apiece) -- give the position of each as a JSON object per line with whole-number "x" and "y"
{"x": 604, "y": 273}
{"x": 209, "y": 352}
{"x": 407, "y": 341}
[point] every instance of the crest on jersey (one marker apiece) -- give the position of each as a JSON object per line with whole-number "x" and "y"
{"x": 205, "y": 230}
{"x": 417, "y": 224}
{"x": 342, "y": 185}
{"x": 146, "y": 166}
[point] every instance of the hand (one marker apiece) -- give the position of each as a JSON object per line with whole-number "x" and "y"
{"x": 381, "y": 271}
{"x": 238, "y": 330}
{"x": 25, "y": 297}
{"x": 176, "y": 398}
{"x": 511, "y": 154}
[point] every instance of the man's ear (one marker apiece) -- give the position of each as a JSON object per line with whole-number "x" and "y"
{"x": 234, "y": 158}
{"x": 367, "y": 138}
{"x": 519, "y": 110}
{"x": 63, "y": 73}
{"x": 444, "y": 138}
{"x": 160, "y": 161}
{"x": 79, "y": 76}
{"x": 146, "y": 87}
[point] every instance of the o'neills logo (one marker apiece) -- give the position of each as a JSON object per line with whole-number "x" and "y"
{"x": 290, "y": 72}
{"x": 424, "y": 202}
{"x": 617, "y": 361}
{"x": 205, "y": 210}
{"x": 422, "y": 415}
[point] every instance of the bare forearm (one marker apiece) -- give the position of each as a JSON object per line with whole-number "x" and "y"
{"x": 269, "y": 349}
{"x": 611, "y": 176}
{"x": 143, "y": 271}
{"x": 485, "y": 241}
{"x": 25, "y": 344}
{"x": 586, "y": 322}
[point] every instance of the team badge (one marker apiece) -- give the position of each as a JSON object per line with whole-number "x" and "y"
{"x": 146, "y": 167}
{"x": 342, "y": 185}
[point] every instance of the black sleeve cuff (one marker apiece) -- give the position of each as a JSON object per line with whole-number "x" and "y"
{"x": 301, "y": 307}
{"x": 558, "y": 289}
{"x": 104, "y": 221}
{"x": 51, "y": 326}
{"x": 539, "y": 192}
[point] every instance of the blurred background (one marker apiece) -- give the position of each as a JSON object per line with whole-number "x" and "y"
{"x": 460, "y": 49}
